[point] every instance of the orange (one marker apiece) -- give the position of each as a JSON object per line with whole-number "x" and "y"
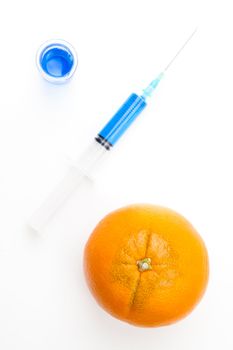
{"x": 146, "y": 265}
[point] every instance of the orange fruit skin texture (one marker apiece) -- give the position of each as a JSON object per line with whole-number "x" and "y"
{"x": 179, "y": 265}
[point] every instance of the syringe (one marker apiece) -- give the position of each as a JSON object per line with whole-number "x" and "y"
{"x": 102, "y": 145}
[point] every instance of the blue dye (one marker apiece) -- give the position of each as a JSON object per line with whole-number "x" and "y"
{"x": 123, "y": 118}
{"x": 57, "y": 60}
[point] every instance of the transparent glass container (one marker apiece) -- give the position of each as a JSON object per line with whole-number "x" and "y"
{"x": 56, "y": 61}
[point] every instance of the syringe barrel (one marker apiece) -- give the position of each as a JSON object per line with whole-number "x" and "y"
{"x": 121, "y": 121}
{"x": 90, "y": 159}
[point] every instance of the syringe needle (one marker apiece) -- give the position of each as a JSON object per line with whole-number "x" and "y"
{"x": 179, "y": 51}
{"x": 152, "y": 86}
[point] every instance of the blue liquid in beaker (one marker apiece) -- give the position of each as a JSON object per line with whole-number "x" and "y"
{"x": 57, "y": 60}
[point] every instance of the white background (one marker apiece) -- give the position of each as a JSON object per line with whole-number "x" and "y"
{"x": 178, "y": 154}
